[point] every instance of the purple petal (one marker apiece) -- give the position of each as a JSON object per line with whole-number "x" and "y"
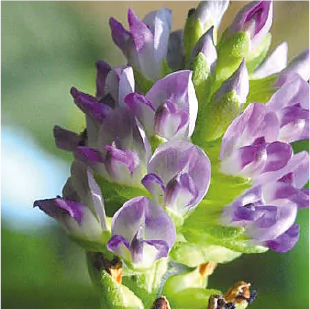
{"x": 179, "y": 157}
{"x": 294, "y": 122}
{"x": 89, "y": 105}
{"x": 278, "y": 154}
{"x": 154, "y": 185}
{"x": 270, "y": 226}
{"x": 298, "y": 165}
{"x": 58, "y": 208}
{"x": 299, "y": 65}
{"x": 256, "y": 121}
{"x": 181, "y": 194}
{"x": 66, "y": 140}
{"x": 171, "y": 121}
{"x": 286, "y": 241}
{"x": 116, "y": 159}
{"x": 88, "y": 155}
{"x": 274, "y": 63}
{"x": 143, "y": 110}
{"x": 102, "y": 71}
{"x": 161, "y": 247}
{"x": 255, "y": 19}
{"x": 119, "y": 245}
{"x": 178, "y": 88}
{"x": 120, "y": 35}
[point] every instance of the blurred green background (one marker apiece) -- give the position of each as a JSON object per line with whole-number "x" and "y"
{"x": 47, "y": 47}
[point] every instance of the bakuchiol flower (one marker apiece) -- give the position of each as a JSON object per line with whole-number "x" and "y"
{"x": 268, "y": 210}
{"x": 145, "y": 45}
{"x": 112, "y": 86}
{"x": 81, "y": 210}
{"x": 169, "y": 109}
{"x": 250, "y": 146}
{"x": 141, "y": 232}
{"x": 178, "y": 176}
{"x": 291, "y": 105}
{"x": 255, "y": 19}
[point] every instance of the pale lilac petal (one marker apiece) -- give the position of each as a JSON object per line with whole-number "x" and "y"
{"x": 89, "y": 105}
{"x": 286, "y": 241}
{"x": 66, "y": 140}
{"x": 160, "y": 24}
{"x": 299, "y": 65}
{"x": 176, "y": 52}
{"x": 126, "y": 84}
{"x": 171, "y": 121}
{"x": 178, "y": 88}
{"x": 255, "y": 19}
{"x": 294, "y": 91}
{"x": 211, "y": 13}
{"x": 102, "y": 71}
{"x": 275, "y": 63}
{"x": 128, "y": 219}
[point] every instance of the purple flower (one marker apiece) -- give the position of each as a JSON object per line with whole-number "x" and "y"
{"x": 268, "y": 210}
{"x": 291, "y": 104}
{"x": 169, "y": 109}
{"x": 176, "y": 51}
{"x": 145, "y": 44}
{"x": 81, "y": 210}
{"x": 255, "y": 19}
{"x": 250, "y": 146}
{"x": 141, "y": 232}
{"x": 178, "y": 176}
{"x": 121, "y": 150}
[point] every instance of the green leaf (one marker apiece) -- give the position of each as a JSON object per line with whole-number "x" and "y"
{"x": 115, "y": 195}
{"x": 230, "y": 52}
{"x": 201, "y": 70}
{"x": 193, "y": 255}
{"x": 192, "y": 33}
{"x": 214, "y": 118}
{"x": 146, "y": 284}
{"x": 192, "y": 298}
{"x": 259, "y": 54}
{"x": 112, "y": 294}
{"x": 261, "y": 90}
{"x": 165, "y": 69}
{"x": 142, "y": 84}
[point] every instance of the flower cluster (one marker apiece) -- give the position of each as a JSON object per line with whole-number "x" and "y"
{"x": 184, "y": 104}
